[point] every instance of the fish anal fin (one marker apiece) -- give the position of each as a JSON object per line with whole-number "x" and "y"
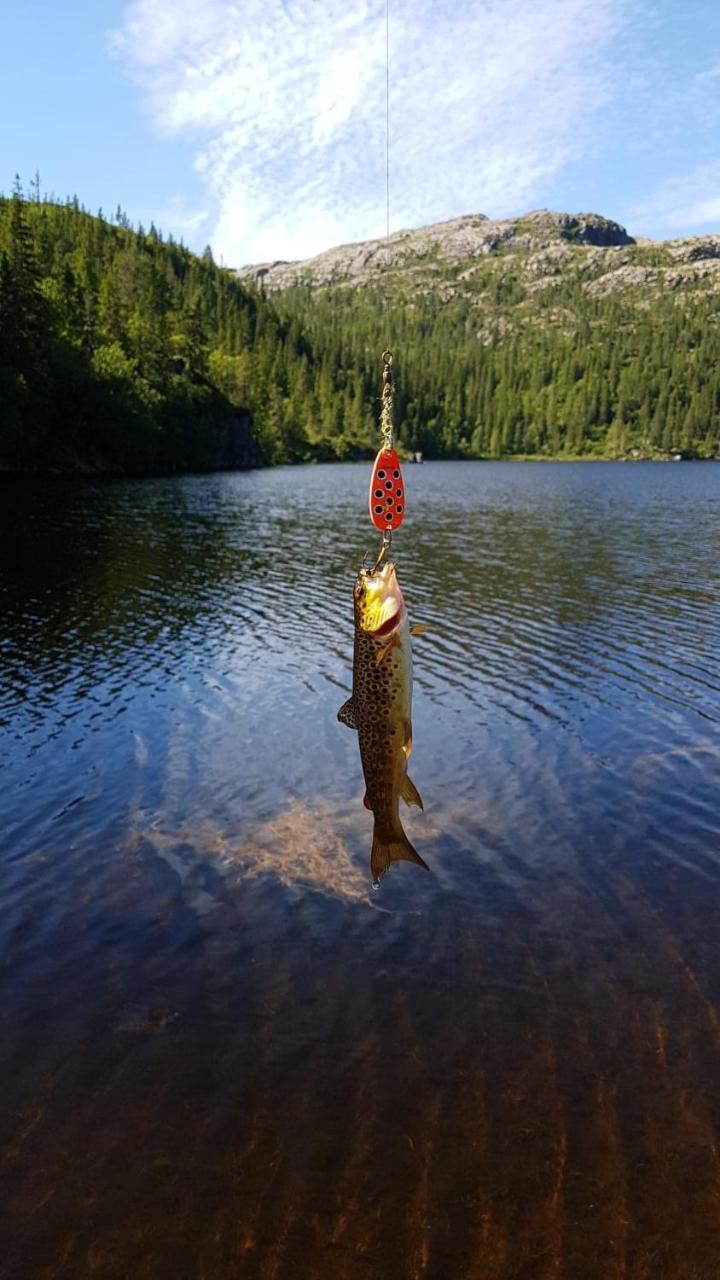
{"x": 346, "y": 714}
{"x": 410, "y": 793}
{"x": 390, "y": 846}
{"x": 418, "y": 629}
{"x": 366, "y": 802}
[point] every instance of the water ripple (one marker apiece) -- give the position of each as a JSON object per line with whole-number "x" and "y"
{"x": 507, "y": 1064}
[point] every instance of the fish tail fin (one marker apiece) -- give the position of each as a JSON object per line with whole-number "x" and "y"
{"x": 390, "y": 844}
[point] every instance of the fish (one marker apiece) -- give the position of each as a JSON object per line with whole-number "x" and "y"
{"x": 380, "y": 709}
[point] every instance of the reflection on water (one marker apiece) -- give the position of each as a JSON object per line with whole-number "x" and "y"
{"x": 220, "y": 1054}
{"x": 302, "y": 848}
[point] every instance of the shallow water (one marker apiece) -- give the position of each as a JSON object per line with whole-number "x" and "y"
{"x": 220, "y": 1054}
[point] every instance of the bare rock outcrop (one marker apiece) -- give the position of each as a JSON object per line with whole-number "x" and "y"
{"x": 457, "y": 240}
{"x": 498, "y": 262}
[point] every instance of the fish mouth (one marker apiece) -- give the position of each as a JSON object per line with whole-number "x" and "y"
{"x": 389, "y": 624}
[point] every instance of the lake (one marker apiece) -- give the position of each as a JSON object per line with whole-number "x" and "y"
{"x": 221, "y": 1054}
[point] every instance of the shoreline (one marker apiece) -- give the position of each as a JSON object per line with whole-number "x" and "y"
{"x": 119, "y": 473}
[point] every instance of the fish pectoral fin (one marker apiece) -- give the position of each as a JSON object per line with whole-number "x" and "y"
{"x": 419, "y": 629}
{"x": 407, "y": 743}
{"x": 410, "y": 793}
{"x": 346, "y": 714}
{"x": 383, "y": 653}
{"x": 391, "y": 846}
{"x": 366, "y": 802}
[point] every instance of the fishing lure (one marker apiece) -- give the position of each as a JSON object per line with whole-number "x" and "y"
{"x": 387, "y": 492}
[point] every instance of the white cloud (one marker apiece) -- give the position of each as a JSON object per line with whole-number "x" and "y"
{"x": 689, "y": 201}
{"x": 712, "y": 73}
{"x": 176, "y": 216}
{"x": 285, "y": 100}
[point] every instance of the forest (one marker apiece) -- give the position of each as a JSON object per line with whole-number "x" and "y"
{"x": 120, "y": 350}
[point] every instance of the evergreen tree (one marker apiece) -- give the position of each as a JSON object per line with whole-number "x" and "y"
{"x": 122, "y": 349}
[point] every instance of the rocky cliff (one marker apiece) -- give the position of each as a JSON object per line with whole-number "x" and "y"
{"x": 454, "y": 257}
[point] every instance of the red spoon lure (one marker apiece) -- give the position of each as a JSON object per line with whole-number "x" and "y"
{"x": 387, "y": 491}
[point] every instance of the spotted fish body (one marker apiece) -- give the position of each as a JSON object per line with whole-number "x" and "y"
{"x": 380, "y": 709}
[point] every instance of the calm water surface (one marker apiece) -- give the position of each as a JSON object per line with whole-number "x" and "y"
{"x": 220, "y": 1054}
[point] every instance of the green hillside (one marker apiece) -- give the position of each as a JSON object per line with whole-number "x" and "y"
{"x": 121, "y": 351}
{"x": 551, "y": 335}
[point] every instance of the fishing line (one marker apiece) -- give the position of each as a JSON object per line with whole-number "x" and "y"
{"x": 387, "y": 153}
{"x": 387, "y": 491}
{"x": 386, "y": 415}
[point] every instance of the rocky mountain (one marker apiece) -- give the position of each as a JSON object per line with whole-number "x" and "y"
{"x": 550, "y": 335}
{"x": 461, "y": 255}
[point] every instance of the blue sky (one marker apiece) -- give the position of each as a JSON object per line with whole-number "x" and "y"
{"x": 259, "y": 126}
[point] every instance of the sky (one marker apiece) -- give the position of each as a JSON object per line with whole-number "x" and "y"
{"x": 259, "y": 126}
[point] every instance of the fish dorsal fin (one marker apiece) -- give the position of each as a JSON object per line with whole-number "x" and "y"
{"x": 346, "y": 714}
{"x": 410, "y": 793}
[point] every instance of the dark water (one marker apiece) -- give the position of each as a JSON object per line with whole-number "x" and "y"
{"x": 220, "y": 1054}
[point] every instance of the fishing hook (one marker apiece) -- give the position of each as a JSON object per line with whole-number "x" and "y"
{"x": 384, "y": 550}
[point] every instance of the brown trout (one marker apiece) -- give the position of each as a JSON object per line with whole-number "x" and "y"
{"x": 380, "y": 710}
